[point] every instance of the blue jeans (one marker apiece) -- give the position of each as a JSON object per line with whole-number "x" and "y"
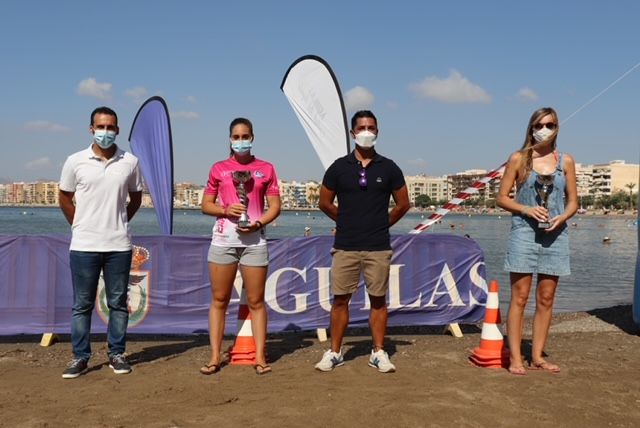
{"x": 85, "y": 272}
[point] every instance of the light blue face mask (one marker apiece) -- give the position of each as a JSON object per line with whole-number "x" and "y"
{"x": 241, "y": 146}
{"x": 104, "y": 138}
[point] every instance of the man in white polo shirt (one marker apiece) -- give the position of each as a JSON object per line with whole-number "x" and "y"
{"x": 100, "y": 177}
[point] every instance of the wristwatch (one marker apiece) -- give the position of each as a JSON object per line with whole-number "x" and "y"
{"x": 259, "y": 223}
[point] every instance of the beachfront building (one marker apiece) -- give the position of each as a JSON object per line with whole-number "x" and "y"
{"x": 187, "y": 195}
{"x": 34, "y": 193}
{"x": 15, "y": 193}
{"x": 147, "y": 202}
{"x": 613, "y": 177}
{"x": 584, "y": 178}
{"x": 312, "y": 193}
{"x": 436, "y": 188}
{"x": 461, "y": 180}
{"x": 45, "y": 192}
{"x": 293, "y": 194}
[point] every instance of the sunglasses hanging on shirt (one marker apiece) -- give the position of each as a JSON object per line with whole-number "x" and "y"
{"x": 362, "y": 181}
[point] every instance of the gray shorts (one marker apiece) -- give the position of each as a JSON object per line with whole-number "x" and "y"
{"x": 247, "y": 256}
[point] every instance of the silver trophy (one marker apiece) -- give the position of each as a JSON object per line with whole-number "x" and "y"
{"x": 239, "y": 180}
{"x": 544, "y": 187}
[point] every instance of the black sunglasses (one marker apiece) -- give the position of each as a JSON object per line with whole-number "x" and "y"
{"x": 550, "y": 126}
{"x": 362, "y": 181}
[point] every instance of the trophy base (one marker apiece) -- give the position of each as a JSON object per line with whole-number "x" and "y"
{"x": 243, "y": 223}
{"x": 544, "y": 225}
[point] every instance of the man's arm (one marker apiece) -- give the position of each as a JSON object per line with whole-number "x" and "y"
{"x": 326, "y": 205}
{"x": 65, "y": 200}
{"x": 135, "y": 199}
{"x": 401, "y": 198}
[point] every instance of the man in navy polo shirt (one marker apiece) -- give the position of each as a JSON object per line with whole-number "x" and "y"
{"x": 363, "y": 181}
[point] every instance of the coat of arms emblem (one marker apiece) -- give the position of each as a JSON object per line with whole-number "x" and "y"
{"x": 138, "y": 293}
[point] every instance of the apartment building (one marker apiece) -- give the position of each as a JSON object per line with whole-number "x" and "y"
{"x": 584, "y": 177}
{"x": 436, "y": 188}
{"x": 614, "y": 176}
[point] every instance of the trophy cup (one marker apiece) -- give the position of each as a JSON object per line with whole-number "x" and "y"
{"x": 239, "y": 180}
{"x": 544, "y": 187}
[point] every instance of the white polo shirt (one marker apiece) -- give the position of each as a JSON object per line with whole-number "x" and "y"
{"x": 101, "y": 188}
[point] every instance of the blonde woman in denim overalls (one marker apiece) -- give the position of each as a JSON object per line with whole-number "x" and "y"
{"x": 539, "y": 241}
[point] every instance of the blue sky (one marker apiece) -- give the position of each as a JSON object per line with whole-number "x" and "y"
{"x": 453, "y": 83}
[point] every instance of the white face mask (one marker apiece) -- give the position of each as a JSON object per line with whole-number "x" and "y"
{"x": 104, "y": 138}
{"x": 542, "y": 135}
{"x": 366, "y": 139}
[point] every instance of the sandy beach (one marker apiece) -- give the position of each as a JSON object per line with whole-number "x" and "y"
{"x": 599, "y": 352}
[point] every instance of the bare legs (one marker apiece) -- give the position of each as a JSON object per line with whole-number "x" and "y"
{"x": 222, "y": 278}
{"x": 378, "y": 320}
{"x": 545, "y": 294}
{"x": 340, "y": 320}
{"x": 520, "y": 286}
{"x": 254, "y": 278}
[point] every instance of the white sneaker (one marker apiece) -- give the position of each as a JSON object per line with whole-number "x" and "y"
{"x": 330, "y": 360}
{"x": 380, "y": 360}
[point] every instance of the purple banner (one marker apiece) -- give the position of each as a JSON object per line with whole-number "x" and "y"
{"x": 150, "y": 140}
{"x": 435, "y": 280}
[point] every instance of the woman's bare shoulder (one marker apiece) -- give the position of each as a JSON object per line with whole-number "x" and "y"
{"x": 515, "y": 158}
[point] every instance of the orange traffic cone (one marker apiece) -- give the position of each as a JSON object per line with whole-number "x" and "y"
{"x": 244, "y": 349}
{"x": 491, "y": 353}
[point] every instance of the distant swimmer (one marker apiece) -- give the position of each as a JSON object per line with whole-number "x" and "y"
{"x": 606, "y": 240}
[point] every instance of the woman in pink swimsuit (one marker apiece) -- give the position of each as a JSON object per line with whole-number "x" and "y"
{"x": 235, "y": 195}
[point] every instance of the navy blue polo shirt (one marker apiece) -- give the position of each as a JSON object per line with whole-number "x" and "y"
{"x": 363, "y": 212}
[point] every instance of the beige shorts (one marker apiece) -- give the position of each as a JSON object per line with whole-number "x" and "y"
{"x": 346, "y": 267}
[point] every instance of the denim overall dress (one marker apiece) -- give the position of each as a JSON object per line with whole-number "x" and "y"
{"x": 532, "y": 250}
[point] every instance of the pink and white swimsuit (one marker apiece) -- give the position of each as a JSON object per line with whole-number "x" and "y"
{"x": 264, "y": 182}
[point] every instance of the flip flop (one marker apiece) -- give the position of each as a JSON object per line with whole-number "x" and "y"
{"x": 545, "y": 366}
{"x": 261, "y": 370}
{"x": 209, "y": 369}
{"x": 517, "y": 370}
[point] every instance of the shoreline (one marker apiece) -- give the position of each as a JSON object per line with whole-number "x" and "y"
{"x": 426, "y": 213}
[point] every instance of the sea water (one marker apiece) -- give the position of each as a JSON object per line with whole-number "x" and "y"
{"x": 602, "y": 270}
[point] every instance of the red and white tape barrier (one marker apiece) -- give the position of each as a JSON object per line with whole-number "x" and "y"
{"x": 459, "y": 198}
